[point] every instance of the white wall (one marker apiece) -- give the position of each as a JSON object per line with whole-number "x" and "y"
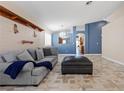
{"x": 113, "y": 37}
{"x": 80, "y": 28}
{"x": 10, "y": 41}
{"x": 47, "y": 38}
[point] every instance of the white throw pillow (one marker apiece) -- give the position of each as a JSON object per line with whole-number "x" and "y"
{"x": 9, "y": 57}
{"x": 25, "y": 56}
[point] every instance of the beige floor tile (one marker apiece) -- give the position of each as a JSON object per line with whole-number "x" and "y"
{"x": 106, "y": 76}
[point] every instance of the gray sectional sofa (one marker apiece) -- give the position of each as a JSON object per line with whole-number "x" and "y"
{"x": 29, "y": 75}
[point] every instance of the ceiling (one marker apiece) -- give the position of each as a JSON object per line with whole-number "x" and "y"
{"x": 57, "y": 15}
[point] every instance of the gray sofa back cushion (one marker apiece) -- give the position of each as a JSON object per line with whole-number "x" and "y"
{"x": 32, "y": 52}
{"x": 40, "y": 54}
{"x": 47, "y": 51}
{"x": 9, "y": 57}
{"x": 1, "y": 60}
{"x": 25, "y": 56}
{"x": 54, "y": 51}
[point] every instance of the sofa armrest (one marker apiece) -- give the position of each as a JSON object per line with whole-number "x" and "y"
{"x": 3, "y": 66}
{"x": 28, "y": 67}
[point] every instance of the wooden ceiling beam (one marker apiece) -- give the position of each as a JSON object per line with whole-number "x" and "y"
{"x": 14, "y": 17}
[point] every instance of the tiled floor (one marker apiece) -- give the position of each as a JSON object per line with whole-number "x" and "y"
{"x": 106, "y": 76}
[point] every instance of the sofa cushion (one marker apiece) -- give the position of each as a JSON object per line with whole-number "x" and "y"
{"x": 1, "y": 60}
{"x": 25, "y": 56}
{"x": 51, "y": 60}
{"x": 9, "y": 57}
{"x": 54, "y": 57}
{"x": 38, "y": 71}
{"x": 27, "y": 67}
{"x": 54, "y": 51}
{"x": 3, "y": 66}
{"x": 45, "y": 59}
{"x": 32, "y": 52}
{"x": 40, "y": 54}
{"x": 47, "y": 51}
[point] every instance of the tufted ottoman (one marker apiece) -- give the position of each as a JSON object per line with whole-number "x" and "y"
{"x": 76, "y": 65}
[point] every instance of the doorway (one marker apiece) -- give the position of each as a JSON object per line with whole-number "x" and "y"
{"x": 80, "y": 43}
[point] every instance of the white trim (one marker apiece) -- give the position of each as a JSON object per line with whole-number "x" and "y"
{"x": 67, "y": 54}
{"x": 82, "y": 54}
{"x": 113, "y": 60}
{"x": 94, "y": 54}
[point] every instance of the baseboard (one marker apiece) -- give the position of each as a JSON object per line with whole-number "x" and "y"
{"x": 113, "y": 60}
{"x": 94, "y": 54}
{"x": 82, "y": 54}
{"x": 67, "y": 54}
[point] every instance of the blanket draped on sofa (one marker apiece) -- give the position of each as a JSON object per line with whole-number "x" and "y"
{"x": 15, "y": 68}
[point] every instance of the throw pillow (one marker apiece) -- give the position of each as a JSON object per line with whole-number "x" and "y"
{"x": 25, "y": 56}
{"x": 40, "y": 54}
{"x": 9, "y": 57}
{"x": 47, "y": 51}
{"x": 32, "y": 52}
{"x": 1, "y": 60}
{"x": 54, "y": 51}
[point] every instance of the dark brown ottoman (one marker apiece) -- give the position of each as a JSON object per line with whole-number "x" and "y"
{"x": 76, "y": 65}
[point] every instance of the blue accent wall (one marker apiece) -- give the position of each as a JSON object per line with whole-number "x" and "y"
{"x": 93, "y": 32}
{"x": 65, "y": 48}
{"x": 93, "y": 41}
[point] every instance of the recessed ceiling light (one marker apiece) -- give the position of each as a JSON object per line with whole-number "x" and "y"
{"x": 55, "y": 27}
{"x": 88, "y": 2}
